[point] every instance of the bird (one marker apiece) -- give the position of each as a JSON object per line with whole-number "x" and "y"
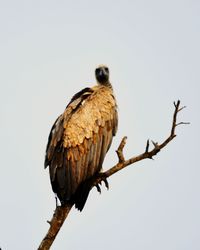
{"x": 79, "y": 140}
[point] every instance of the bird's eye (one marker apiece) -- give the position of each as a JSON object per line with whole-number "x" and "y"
{"x": 97, "y": 70}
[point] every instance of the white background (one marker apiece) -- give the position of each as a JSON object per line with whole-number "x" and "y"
{"x": 48, "y": 52}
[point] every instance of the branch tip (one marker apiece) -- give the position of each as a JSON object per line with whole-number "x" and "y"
{"x": 119, "y": 151}
{"x": 155, "y": 144}
{"x": 147, "y": 147}
{"x": 49, "y": 222}
{"x": 181, "y": 108}
{"x": 182, "y": 123}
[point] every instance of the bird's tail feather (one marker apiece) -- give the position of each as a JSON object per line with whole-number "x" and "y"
{"x": 81, "y": 195}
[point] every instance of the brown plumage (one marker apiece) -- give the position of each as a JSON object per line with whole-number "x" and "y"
{"x": 80, "y": 139}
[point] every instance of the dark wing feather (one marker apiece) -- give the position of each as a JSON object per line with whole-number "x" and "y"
{"x": 83, "y": 94}
{"x": 53, "y": 136}
{"x": 97, "y": 155}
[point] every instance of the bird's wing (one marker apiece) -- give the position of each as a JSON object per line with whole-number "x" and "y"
{"x": 55, "y": 139}
{"x": 79, "y": 140}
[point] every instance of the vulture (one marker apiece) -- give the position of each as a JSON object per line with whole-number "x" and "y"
{"x": 79, "y": 140}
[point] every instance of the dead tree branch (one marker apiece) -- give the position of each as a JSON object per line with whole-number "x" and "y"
{"x": 61, "y": 212}
{"x": 56, "y": 222}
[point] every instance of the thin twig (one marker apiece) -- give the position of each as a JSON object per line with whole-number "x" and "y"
{"x": 119, "y": 151}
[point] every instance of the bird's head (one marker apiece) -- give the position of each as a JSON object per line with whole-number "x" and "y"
{"x": 102, "y": 75}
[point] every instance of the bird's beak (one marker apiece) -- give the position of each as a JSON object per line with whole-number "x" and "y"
{"x": 101, "y": 72}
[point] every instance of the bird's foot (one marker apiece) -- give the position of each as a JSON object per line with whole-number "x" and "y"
{"x": 104, "y": 179}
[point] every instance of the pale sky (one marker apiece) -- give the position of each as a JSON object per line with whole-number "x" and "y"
{"x": 48, "y": 52}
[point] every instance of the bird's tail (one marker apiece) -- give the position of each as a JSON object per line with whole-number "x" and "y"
{"x": 81, "y": 195}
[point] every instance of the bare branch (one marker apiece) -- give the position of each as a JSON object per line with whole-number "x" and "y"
{"x": 61, "y": 212}
{"x": 181, "y": 108}
{"x": 56, "y": 223}
{"x": 119, "y": 151}
{"x": 147, "y": 154}
{"x": 182, "y": 123}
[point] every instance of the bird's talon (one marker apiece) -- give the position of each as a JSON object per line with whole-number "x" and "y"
{"x": 106, "y": 183}
{"x": 98, "y": 188}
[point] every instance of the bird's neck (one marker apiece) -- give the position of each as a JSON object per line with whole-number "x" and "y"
{"x": 105, "y": 84}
